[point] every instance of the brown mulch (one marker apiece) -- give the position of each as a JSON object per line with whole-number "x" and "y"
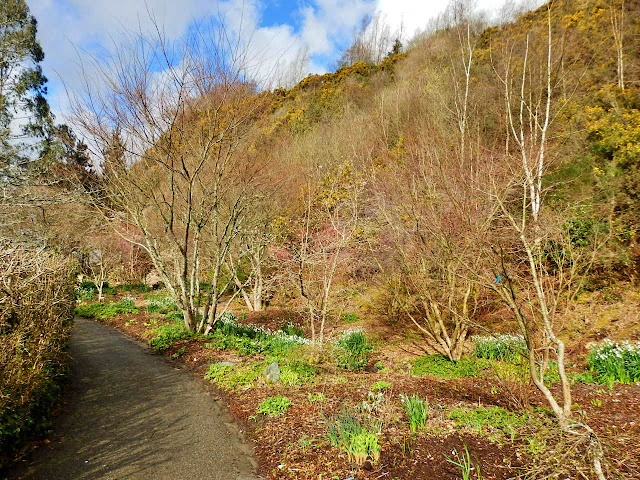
{"x": 295, "y": 446}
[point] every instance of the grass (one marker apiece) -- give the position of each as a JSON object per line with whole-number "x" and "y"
{"x": 417, "y": 410}
{"x": 463, "y": 462}
{"x": 350, "y": 434}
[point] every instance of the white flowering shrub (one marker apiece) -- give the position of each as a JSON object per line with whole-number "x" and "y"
{"x": 128, "y": 301}
{"x": 503, "y": 347}
{"x": 616, "y": 362}
{"x": 161, "y": 304}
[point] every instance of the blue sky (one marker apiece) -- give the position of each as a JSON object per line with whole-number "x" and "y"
{"x": 70, "y": 30}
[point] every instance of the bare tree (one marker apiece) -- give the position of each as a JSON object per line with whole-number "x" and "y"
{"x": 371, "y": 42}
{"x": 324, "y": 240}
{"x": 183, "y": 113}
{"x": 539, "y": 269}
{"x": 617, "y": 15}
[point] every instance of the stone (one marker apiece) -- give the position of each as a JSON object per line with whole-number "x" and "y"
{"x": 272, "y": 373}
{"x": 153, "y": 279}
{"x": 226, "y": 364}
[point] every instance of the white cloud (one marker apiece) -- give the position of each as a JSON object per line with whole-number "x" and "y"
{"x": 414, "y": 15}
{"x": 323, "y": 28}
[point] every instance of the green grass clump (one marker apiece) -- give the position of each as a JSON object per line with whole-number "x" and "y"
{"x": 104, "y": 311}
{"x": 499, "y": 347}
{"x": 417, "y": 410}
{"x": 274, "y": 406}
{"x": 350, "y": 434}
{"x": 441, "y": 366}
{"x": 615, "y": 362}
{"x": 353, "y": 350}
{"x": 485, "y": 420}
{"x": 166, "y": 335}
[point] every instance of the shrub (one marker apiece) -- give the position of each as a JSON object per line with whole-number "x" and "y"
{"x": 274, "y": 406}
{"x": 615, "y": 362}
{"x": 353, "y": 350}
{"x": 36, "y": 314}
{"x": 417, "y": 410}
{"x": 499, "y": 347}
{"x": 88, "y": 285}
{"x": 166, "y": 335}
{"x": 351, "y": 435}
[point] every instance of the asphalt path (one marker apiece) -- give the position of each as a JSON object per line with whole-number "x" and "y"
{"x": 131, "y": 415}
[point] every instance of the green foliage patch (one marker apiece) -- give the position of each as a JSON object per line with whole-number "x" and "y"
{"x": 104, "y": 311}
{"x": 493, "y": 420}
{"x": 274, "y": 406}
{"x": 417, "y": 410}
{"x": 380, "y": 385}
{"x": 163, "y": 304}
{"x": 441, "y": 366}
{"x": 167, "y": 335}
{"x": 247, "y": 340}
{"x": 235, "y": 377}
{"x": 353, "y": 436}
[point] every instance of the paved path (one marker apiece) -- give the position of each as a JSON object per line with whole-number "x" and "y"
{"x": 131, "y": 415}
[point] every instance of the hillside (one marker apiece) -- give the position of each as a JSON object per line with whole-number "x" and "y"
{"x": 439, "y": 253}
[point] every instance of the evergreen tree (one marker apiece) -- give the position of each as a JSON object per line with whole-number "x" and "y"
{"x": 22, "y": 88}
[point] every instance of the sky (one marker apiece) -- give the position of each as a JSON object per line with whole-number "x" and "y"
{"x": 71, "y": 30}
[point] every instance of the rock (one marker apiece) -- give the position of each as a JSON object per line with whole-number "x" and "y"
{"x": 272, "y": 373}
{"x": 226, "y": 364}
{"x": 153, "y": 279}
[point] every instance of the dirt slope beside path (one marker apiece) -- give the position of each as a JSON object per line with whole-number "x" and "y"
{"x": 130, "y": 415}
